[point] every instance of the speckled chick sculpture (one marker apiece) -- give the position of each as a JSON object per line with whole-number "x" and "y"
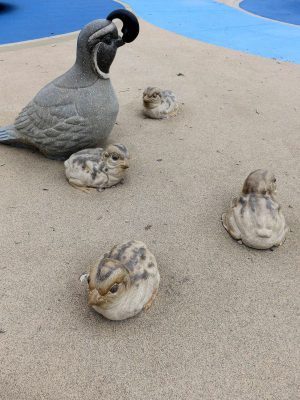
{"x": 98, "y": 168}
{"x": 78, "y": 109}
{"x": 255, "y": 217}
{"x": 124, "y": 282}
{"x": 159, "y": 104}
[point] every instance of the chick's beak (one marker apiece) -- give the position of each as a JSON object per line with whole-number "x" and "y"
{"x": 125, "y": 165}
{"x": 94, "y": 297}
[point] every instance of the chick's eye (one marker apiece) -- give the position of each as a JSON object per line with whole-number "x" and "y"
{"x": 115, "y": 157}
{"x": 114, "y": 288}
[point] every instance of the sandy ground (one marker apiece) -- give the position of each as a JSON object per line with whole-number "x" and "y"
{"x": 224, "y": 325}
{"x": 232, "y": 3}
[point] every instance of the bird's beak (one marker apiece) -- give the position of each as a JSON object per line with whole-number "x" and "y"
{"x": 119, "y": 42}
{"x": 94, "y": 298}
{"x": 125, "y": 165}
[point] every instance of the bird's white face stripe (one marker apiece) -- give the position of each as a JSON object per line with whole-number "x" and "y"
{"x": 102, "y": 74}
{"x": 102, "y": 32}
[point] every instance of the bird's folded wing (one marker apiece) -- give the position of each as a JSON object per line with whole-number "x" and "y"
{"x": 39, "y": 122}
{"x": 169, "y": 94}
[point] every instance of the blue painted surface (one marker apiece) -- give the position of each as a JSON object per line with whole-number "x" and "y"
{"x": 205, "y": 20}
{"x": 281, "y": 10}
{"x": 33, "y": 19}
{"x": 216, "y": 23}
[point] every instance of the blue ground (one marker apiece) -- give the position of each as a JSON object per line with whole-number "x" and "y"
{"x": 281, "y": 10}
{"x": 216, "y": 23}
{"x": 205, "y": 20}
{"x": 32, "y": 19}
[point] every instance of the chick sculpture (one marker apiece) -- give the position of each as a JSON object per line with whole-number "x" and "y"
{"x": 78, "y": 109}
{"x": 97, "y": 168}
{"x": 159, "y": 104}
{"x": 124, "y": 282}
{"x": 255, "y": 217}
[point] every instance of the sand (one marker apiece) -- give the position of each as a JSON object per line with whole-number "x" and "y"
{"x": 232, "y": 3}
{"x": 224, "y": 325}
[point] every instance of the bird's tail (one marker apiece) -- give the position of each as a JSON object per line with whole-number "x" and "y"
{"x": 9, "y": 135}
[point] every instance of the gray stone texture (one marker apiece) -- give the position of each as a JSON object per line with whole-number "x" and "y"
{"x": 79, "y": 108}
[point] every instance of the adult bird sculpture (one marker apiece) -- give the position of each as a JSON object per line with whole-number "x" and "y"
{"x": 79, "y": 108}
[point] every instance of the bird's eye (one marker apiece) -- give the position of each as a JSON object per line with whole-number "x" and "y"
{"x": 107, "y": 39}
{"x": 114, "y": 288}
{"x": 115, "y": 157}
